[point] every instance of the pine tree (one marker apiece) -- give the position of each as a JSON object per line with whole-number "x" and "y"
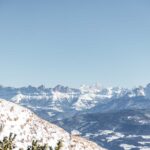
{"x": 50, "y": 148}
{"x": 59, "y": 145}
{"x": 7, "y": 143}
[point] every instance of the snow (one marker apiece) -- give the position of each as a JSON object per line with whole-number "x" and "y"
{"x": 145, "y": 142}
{"x": 111, "y": 135}
{"x": 114, "y": 137}
{"x": 51, "y": 114}
{"x": 75, "y": 132}
{"x": 28, "y": 127}
{"x": 59, "y": 101}
{"x": 65, "y": 98}
{"x": 18, "y": 98}
{"x": 106, "y": 132}
{"x": 59, "y": 96}
{"x": 127, "y": 146}
{"x": 90, "y": 89}
{"x": 146, "y": 136}
{"x": 130, "y": 147}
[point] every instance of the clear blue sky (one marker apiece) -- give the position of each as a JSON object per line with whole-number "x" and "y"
{"x": 74, "y": 42}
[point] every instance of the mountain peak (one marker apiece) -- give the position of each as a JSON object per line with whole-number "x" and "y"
{"x": 41, "y": 87}
{"x": 61, "y": 88}
{"x": 90, "y": 88}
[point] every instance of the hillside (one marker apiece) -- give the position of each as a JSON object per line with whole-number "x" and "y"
{"x": 28, "y": 126}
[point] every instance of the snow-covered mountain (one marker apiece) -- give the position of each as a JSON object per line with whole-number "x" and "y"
{"x": 56, "y": 103}
{"x": 28, "y": 127}
{"x": 60, "y": 103}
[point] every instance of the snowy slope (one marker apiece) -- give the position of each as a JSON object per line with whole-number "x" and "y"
{"x": 28, "y": 126}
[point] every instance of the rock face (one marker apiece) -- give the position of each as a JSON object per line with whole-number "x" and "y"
{"x": 28, "y": 126}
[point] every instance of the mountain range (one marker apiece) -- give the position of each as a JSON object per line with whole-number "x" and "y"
{"x": 63, "y": 106}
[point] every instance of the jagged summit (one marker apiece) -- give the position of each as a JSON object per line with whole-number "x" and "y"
{"x": 56, "y": 103}
{"x": 27, "y": 126}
